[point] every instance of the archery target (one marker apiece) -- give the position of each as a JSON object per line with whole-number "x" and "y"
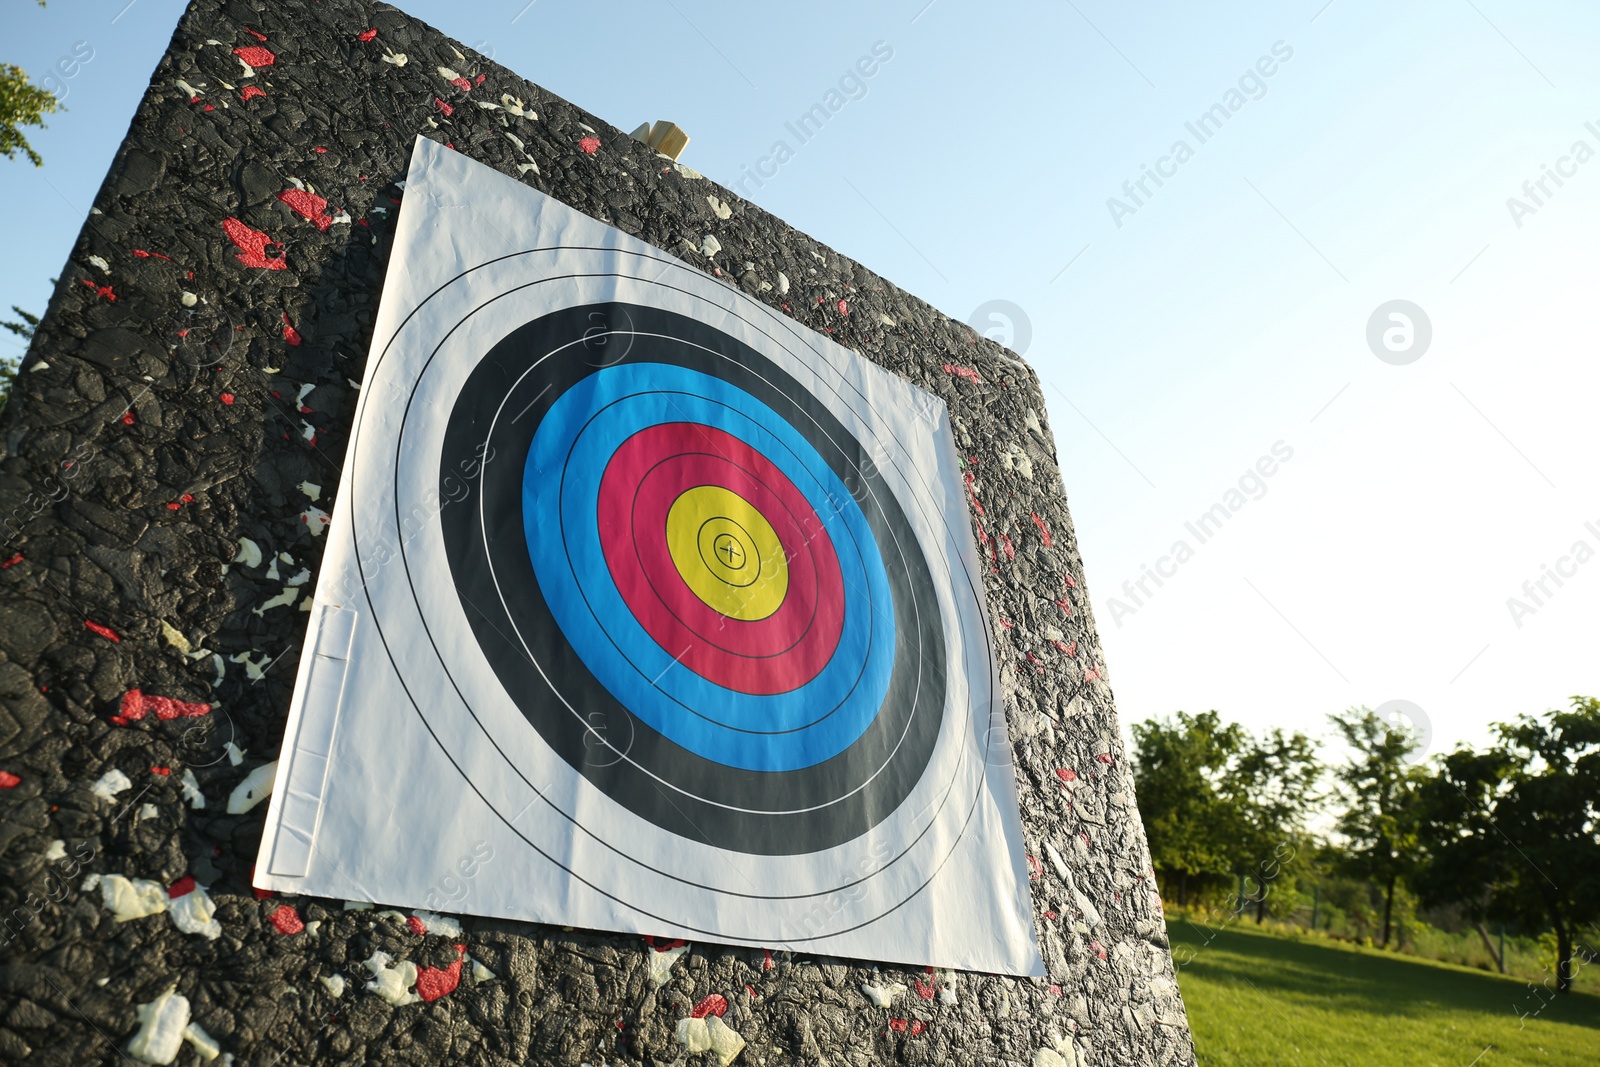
{"x": 682, "y": 592}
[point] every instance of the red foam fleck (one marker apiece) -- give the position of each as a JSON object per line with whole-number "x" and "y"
{"x": 1034, "y": 869}
{"x": 1008, "y": 624}
{"x": 414, "y": 924}
{"x": 590, "y": 145}
{"x": 1011, "y": 552}
{"x": 308, "y": 205}
{"x": 962, "y": 372}
{"x": 104, "y": 631}
{"x": 251, "y": 91}
{"x": 209, "y": 107}
{"x": 136, "y": 705}
{"x": 442, "y": 106}
{"x": 462, "y": 84}
{"x": 748, "y": 988}
{"x": 319, "y": 150}
{"x": 142, "y": 254}
{"x": 12, "y": 562}
{"x": 436, "y": 982}
{"x": 844, "y": 309}
{"x": 226, "y": 398}
{"x": 925, "y": 991}
{"x": 102, "y": 290}
{"x": 1098, "y": 949}
{"x": 290, "y": 334}
{"x": 1044, "y": 531}
{"x": 1104, "y": 757}
{"x": 1065, "y": 605}
{"x": 127, "y": 418}
{"x": 165, "y": 772}
{"x": 1055, "y": 990}
{"x": 186, "y": 498}
{"x": 9, "y": 780}
{"x": 367, "y": 35}
{"x": 917, "y": 1026}
{"x": 1051, "y": 914}
{"x": 1062, "y": 646}
{"x": 1066, "y": 774}
{"x": 255, "y": 55}
{"x": 287, "y": 920}
{"x": 182, "y": 887}
{"x": 766, "y": 960}
{"x": 481, "y": 79}
{"x": 715, "y": 1004}
{"x": 252, "y": 245}
{"x": 1070, "y": 583}
{"x": 255, "y": 33}
{"x": 665, "y": 945}
{"x": 899, "y": 1025}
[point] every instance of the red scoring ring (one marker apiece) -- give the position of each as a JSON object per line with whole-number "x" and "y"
{"x": 652, "y": 503}
{"x": 774, "y": 655}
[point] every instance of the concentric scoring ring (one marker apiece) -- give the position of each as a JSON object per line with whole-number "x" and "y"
{"x": 774, "y": 653}
{"x": 784, "y": 773}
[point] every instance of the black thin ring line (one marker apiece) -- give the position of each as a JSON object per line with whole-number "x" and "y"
{"x": 825, "y": 436}
{"x": 561, "y": 518}
{"x": 696, "y": 297}
{"x": 646, "y": 771}
{"x": 641, "y": 769}
{"x": 633, "y": 509}
{"x": 816, "y": 588}
{"x": 749, "y": 538}
{"x": 605, "y": 844}
{"x": 561, "y": 493}
{"x": 533, "y": 661}
{"x": 915, "y": 600}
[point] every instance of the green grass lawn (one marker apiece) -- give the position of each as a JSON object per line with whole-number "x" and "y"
{"x": 1257, "y": 999}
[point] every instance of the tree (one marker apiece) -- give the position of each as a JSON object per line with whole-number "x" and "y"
{"x": 1178, "y": 768}
{"x": 9, "y": 364}
{"x": 1272, "y": 787}
{"x": 1219, "y": 804}
{"x": 1513, "y": 832}
{"x": 22, "y": 103}
{"x": 1380, "y": 817}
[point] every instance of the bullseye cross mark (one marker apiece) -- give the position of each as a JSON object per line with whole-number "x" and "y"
{"x": 729, "y": 550}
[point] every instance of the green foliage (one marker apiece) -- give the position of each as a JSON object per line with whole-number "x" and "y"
{"x": 1218, "y": 803}
{"x": 1513, "y": 832}
{"x": 1380, "y": 813}
{"x": 9, "y": 364}
{"x": 21, "y": 104}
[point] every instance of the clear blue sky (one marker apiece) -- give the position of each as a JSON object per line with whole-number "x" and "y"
{"x": 1182, "y": 334}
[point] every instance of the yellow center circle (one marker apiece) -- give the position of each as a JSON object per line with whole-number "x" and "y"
{"x": 727, "y": 553}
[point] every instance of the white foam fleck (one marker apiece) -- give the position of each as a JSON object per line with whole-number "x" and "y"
{"x": 162, "y": 1023}
{"x": 256, "y": 787}
{"x": 392, "y": 983}
{"x": 882, "y": 995}
{"x": 110, "y": 784}
{"x": 132, "y": 898}
{"x": 191, "y": 791}
{"x": 194, "y": 912}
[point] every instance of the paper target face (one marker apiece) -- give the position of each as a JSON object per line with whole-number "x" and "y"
{"x": 676, "y": 598}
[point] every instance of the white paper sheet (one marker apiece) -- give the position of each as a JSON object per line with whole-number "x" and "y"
{"x": 475, "y": 727}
